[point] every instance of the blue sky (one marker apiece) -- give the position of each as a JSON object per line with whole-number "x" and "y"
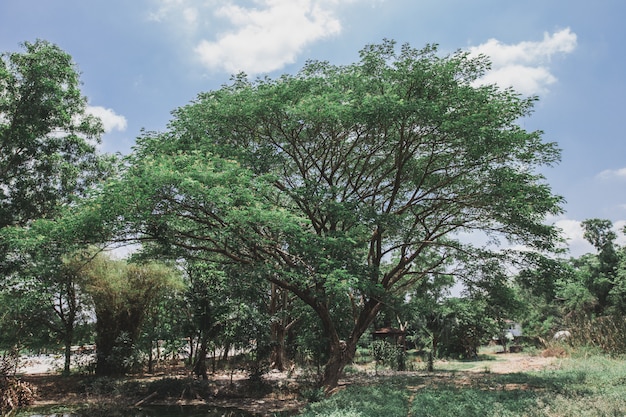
{"x": 141, "y": 59}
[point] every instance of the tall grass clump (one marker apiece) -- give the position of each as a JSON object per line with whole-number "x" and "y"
{"x": 607, "y": 333}
{"x": 589, "y": 386}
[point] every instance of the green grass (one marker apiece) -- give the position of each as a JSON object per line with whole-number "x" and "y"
{"x": 386, "y": 400}
{"x": 591, "y": 386}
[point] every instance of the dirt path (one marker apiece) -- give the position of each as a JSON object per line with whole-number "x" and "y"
{"x": 507, "y": 363}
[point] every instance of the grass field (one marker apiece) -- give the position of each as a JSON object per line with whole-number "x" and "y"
{"x": 578, "y": 386}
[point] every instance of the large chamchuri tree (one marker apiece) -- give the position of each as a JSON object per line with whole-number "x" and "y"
{"x": 345, "y": 185}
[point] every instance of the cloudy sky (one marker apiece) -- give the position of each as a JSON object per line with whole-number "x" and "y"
{"x": 141, "y": 59}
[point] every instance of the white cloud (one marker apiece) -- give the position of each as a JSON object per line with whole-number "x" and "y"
{"x": 608, "y": 174}
{"x": 183, "y": 14}
{"x": 525, "y": 65}
{"x": 526, "y": 80}
{"x": 165, "y": 9}
{"x": 110, "y": 119}
{"x": 254, "y": 36}
{"x": 573, "y": 234}
{"x": 267, "y": 37}
{"x": 618, "y": 226}
{"x": 190, "y": 15}
{"x": 575, "y": 240}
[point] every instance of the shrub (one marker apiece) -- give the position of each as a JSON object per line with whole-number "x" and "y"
{"x": 388, "y": 354}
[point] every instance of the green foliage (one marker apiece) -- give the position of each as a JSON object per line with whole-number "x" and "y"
{"x": 313, "y": 395}
{"x": 48, "y": 153}
{"x": 48, "y": 162}
{"x": 345, "y": 185}
{"x": 468, "y": 326}
{"x": 388, "y": 354}
{"x": 444, "y": 326}
{"x": 123, "y": 295}
{"x": 590, "y": 294}
{"x": 595, "y": 286}
{"x": 470, "y": 402}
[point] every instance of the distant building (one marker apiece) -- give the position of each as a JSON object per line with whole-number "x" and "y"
{"x": 396, "y": 336}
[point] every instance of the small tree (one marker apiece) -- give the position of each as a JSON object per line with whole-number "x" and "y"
{"x": 123, "y": 294}
{"x": 45, "y": 288}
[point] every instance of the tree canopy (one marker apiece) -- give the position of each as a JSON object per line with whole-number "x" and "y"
{"x": 47, "y": 140}
{"x": 345, "y": 185}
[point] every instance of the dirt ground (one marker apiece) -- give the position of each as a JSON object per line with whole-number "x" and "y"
{"x": 229, "y": 389}
{"x": 501, "y": 363}
{"x": 509, "y": 363}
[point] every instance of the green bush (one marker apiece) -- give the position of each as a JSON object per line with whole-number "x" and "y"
{"x": 388, "y": 354}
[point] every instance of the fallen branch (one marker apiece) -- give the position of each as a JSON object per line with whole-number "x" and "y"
{"x": 148, "y": 398}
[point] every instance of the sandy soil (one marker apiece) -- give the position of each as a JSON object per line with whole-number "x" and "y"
{"x": 40, "y": 364}
{"x": 502, "y": 363}
{"x": 508, "y": 363}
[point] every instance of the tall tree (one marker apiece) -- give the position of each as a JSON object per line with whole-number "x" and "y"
{"x": 539, "y": 284}
{"x": 347, "y": 184}
{"x": 597, "y": 281}
{"x": 598, "y": 232}
{"x": 48, "y": 159}
{"x": 47, "y": 140}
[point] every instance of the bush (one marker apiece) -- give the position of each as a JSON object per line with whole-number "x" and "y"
{"x": 313, "y": 394}
{"x": 125, "y": 355}
{"x": 388, "y": 354}
{"x": 102, "y": 386}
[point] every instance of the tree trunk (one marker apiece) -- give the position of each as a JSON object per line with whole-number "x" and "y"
{"x": 432, "y": 353}
{"x": 68, "y": 354}
{"x": 192, "y": 351}
{"x": 279, "y": 309}
{"x": 278, "y": 356}
{"x": 341, "y": 354}
{"x": 151, "y": 358}
{"x": 199, "y": 367}
{"x": 106, "y": 332}
{"x": 66, "y": 311}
